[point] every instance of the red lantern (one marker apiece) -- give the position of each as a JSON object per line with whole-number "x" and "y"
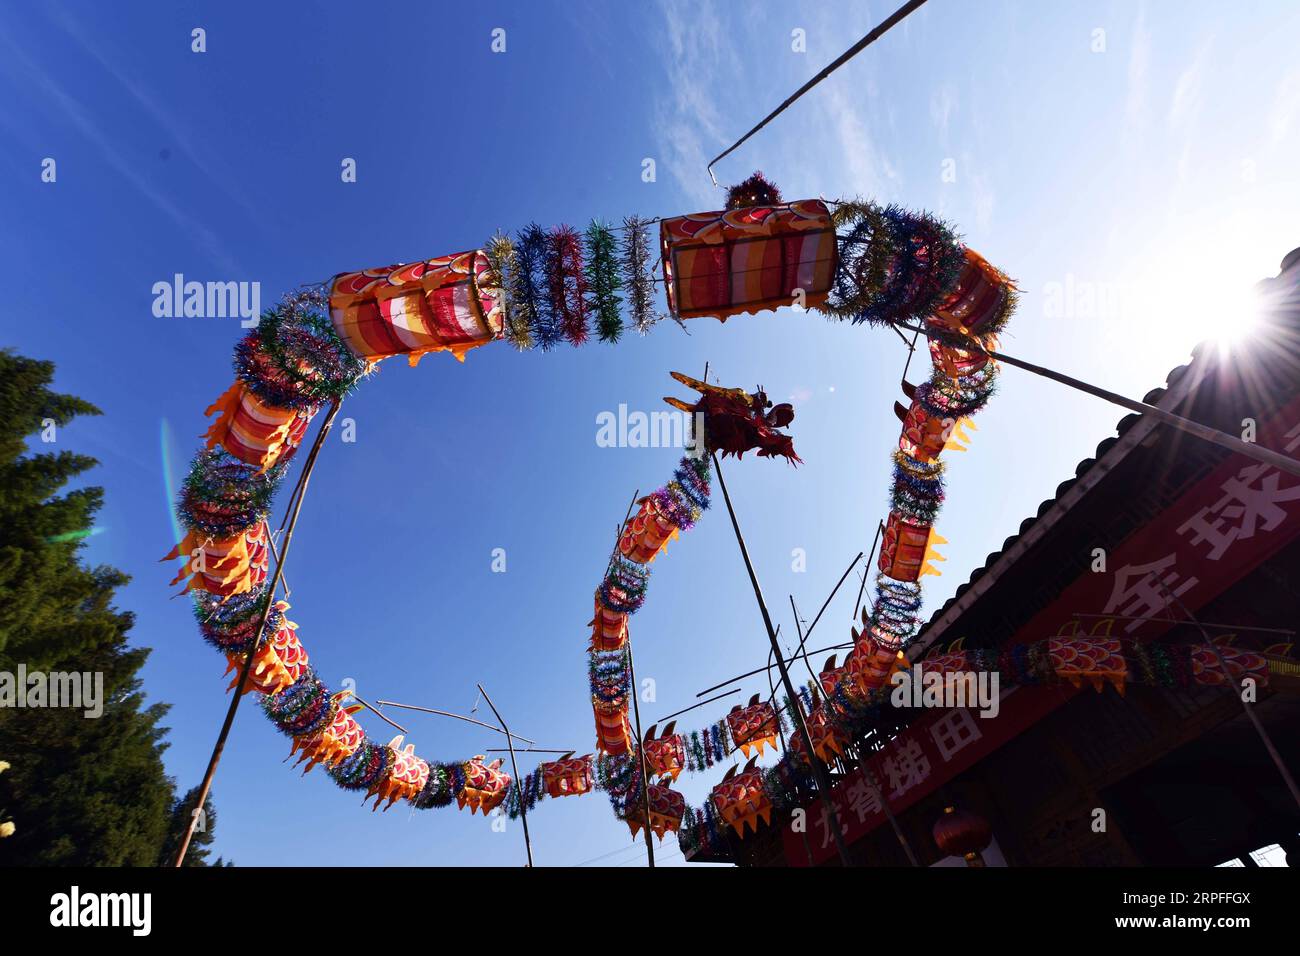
{"x": 981, "y": 296}
{"x": 405, "y": 778}
{"x": 1092, "y": 659}
{"x": 647, "y": 532}
{"x": 225, "y": 566}
{"x": 753, "y": 726}
{"x": 666, "y": 809}
{"x": 873, "y": 659}
{"x": 608, "y": 628}
{"x": 339, "y": 740}
{"x": 665, "y": 755}
{"x": 831, "y": 675}
{"x": 279, "y": 661}
{"x": 1206, "y": 668}
{"x": 749, "y": 259}
{"x": 567, "y": 777}
{"x": 448, "y": 304}
{"x": 924, "y": 435}
{"x": 956, "y": 362}
{"x": 827, "y": 739}
{"x": 613, "y": 730}
{"x": 252, "y": 431}
{"x": 962, "y": 833}
{"x": 486, "y": 785}
{"x": 741, "y": 800}
{"x": 906, "y": 548}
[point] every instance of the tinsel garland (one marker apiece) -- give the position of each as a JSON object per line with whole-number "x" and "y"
{"x": 686, "y": 497}
{"x": 706, "y": 747}
{"x": 895, "y": 618}
{"x": 526, "y": 795}
{"x": 223, "y": 496}
{"x": 445, "y": 781}
{"x": 945, "y": 397}
{"x": 619, "y": 778}
{"x": 624, "y": 588}
{"x": 302, "y": 709}
{"x": 895, "y": 265}
{"x": 366, "y": 766}
{"x": 530, "y": 291}
{"x": 610, "y": 676}
{"x": 294, "y": 358}
{"x": 757, "y": 190}
{"x": 603, "y": 280}
{"x": 693, "y": 477}
{"x": 635, "y": 261}
{"x": 500, "y": 250}
{"x": 566, "y": 284}
{"x": 230, "y": 624}
{"x": 917, "y": 492}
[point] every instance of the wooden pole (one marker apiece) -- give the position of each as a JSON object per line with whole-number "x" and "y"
{"x": 803, "y": 638}
{"x": 759, "y": 670}
{"x": 866, "y": 771}
{"x": 1213, "y": 435}
{"x": 866, "y": 572}
{"x": 684, "y": 710}
{"x": 819, "y": 771}
{"x": 300, "y": 492}
{"x": 640, "y": 753}
{"x": 447, "y": 713}
{"x": 636, "y": 705}
{"x": 514, "y": 766}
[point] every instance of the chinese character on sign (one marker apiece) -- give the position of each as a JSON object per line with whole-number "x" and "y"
{"x": 906, "y": 768}
{"x": 1141, "y": 589}
{"x": 1294, "y": 436}
{"x": 823, "y": 824}
{"x": 1251, "y": 502}
{"x": 863, "y": 799}
{"x": 953, "y": 731}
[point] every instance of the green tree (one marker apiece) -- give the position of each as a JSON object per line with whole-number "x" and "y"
{"x": 81, "y": 791}
{"x": 178, "y": 823}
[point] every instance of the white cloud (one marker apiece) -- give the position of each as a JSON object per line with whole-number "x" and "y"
{"x": 688, "y": 122}
{"x": 1139, "y": 65}
{"x": 1186, "y": 103}
{"x": 942, "y": 103}
{"x": 1286, "y": 107}
{"x": 709, "y": 102}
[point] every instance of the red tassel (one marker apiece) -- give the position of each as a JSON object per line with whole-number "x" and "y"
{"x": 566, "y": 284}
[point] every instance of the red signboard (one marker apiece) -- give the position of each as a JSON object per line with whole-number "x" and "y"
{"x": 1223, "y": 527}
{"x": 932, "y": 751}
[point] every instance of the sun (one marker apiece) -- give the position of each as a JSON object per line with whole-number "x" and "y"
{"x": 1189, "y": 296}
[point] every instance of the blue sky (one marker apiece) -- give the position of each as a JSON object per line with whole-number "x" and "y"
{"x": 1136, "y": 183}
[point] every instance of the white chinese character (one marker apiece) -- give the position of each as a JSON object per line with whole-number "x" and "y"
{"x": 1243, "y": 509}
{"x": 823, "y": 823}
{"x": 1294, "y": 435}
{"x": 863, "y": 798}
{"x": 953, "y": 731}
{"x": 906, "y": 768}
{"x": 1142, "y": 590}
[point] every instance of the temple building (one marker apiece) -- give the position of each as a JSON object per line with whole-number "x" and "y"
{"x": 1160, "y": 539}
